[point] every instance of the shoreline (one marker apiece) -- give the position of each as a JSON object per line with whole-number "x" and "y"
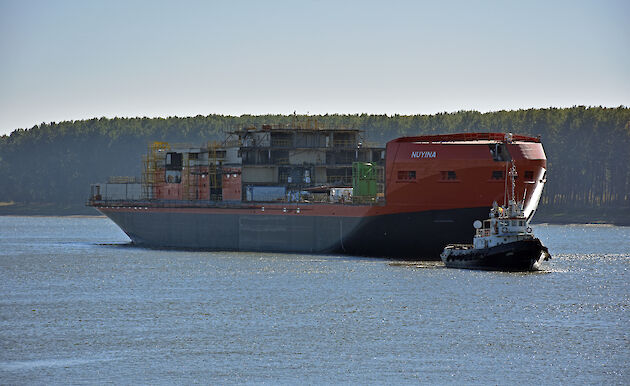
{"x": 619, "y": 216}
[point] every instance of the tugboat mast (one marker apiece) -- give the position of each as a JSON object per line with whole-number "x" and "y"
{"x": 513, "y": 175}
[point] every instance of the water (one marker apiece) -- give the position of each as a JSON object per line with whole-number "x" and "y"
{"x": 79, "y": 306}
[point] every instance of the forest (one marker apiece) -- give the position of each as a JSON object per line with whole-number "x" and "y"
{"x": 53, "y": 164}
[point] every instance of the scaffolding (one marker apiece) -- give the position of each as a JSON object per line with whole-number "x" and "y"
{"x": 282, "y": 156}
{"x": 149, "y": 175}
{"x": 187, "y": 185}
{"x": 214, "y": 186}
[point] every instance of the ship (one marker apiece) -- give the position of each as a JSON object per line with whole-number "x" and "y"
{"x": 311, "y": 189}
{"x": 503, "y": 242}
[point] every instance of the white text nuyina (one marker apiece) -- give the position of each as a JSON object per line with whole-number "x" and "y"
{"x": 423, "y": 154}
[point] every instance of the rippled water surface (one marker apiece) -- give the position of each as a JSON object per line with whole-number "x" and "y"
{"x": 78, "y": 305}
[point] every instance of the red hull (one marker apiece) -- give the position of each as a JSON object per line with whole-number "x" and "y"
{"x": 459, "y": 173}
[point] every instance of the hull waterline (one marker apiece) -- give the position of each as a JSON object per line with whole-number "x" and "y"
{"x": 388, "y": 235}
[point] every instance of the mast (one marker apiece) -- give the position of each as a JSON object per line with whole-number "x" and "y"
{"x": 513, "y": 175}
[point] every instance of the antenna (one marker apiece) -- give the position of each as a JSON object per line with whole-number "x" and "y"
{"x": 505, "y": 187}
{"x": 513, "y": 175}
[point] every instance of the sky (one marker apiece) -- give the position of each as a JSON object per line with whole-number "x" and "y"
{"x": 68, "y": 60}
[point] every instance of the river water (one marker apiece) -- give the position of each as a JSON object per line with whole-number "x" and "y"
{"x": 79, "y": 305}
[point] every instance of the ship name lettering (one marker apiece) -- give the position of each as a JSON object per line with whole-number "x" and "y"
{"x": 423, "y": 154}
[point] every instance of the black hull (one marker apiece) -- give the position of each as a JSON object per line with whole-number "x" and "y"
{"x": 415, "y": 236}
{"x": 521, "y": 255}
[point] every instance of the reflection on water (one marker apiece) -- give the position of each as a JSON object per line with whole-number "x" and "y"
{"x": 81, "y": 305}
{"x": 57, "y": 362}
{"x": 418, "y": 264}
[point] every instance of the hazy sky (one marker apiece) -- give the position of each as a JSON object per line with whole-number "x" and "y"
{"x": 66, "y": 60}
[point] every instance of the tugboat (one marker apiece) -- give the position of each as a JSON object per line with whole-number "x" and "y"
{"x": 503, "y": 242}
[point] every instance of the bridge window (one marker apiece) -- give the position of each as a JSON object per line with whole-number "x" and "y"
{"x": 529, "y": 175}
{"x": 448, "y": 175}
{"x": 406, "y": 175}
{"x": 498, "y": 175}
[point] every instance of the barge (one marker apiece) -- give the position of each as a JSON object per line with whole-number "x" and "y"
{"x": 321, "y": 190}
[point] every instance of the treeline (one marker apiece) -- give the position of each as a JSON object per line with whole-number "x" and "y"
{"x": 588, "y": 148}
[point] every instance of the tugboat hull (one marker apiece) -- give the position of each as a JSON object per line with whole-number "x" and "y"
{"x": 523, "y": 255}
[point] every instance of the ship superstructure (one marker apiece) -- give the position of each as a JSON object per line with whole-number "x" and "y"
{"x": 272, "y": 163}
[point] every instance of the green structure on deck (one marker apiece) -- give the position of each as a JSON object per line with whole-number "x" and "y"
{"x": 363, "y": 182}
